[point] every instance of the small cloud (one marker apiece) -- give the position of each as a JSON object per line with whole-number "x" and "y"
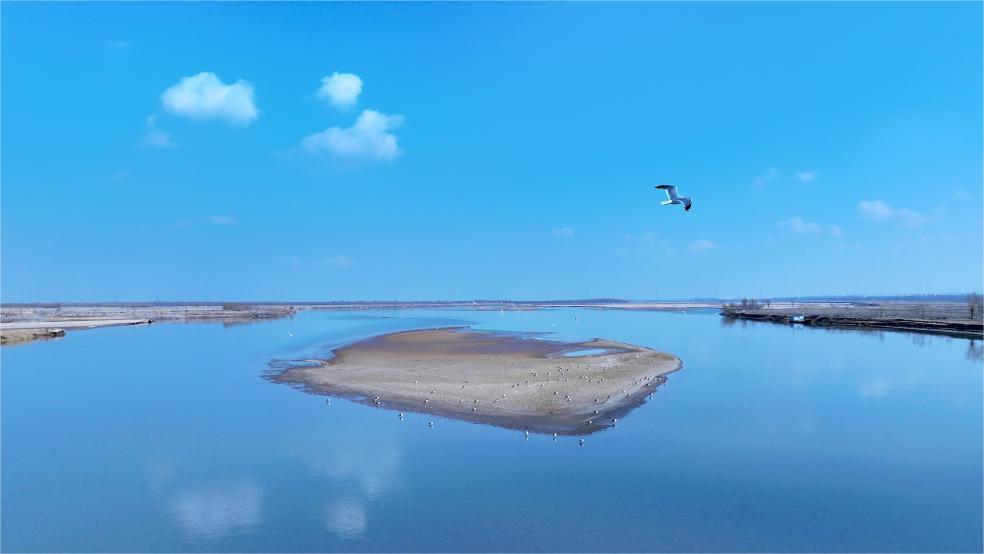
{"x": 341, "y": 90}
{"x": 701, "y": 245}
{"x": 154, "y": 137}
{"x": 644, "y": 244}
{"x": 879, "y": 210}
{"x": 180, "y": 224}
{"x": 369, "y": 138}
{"x": 222, "y": 220}
{"x": 292, "y": 261}
{"x": 205, "y": 96}
{"x": 800, "y": 226}
{"x": 340, "y": 261}
{"x": 875, "y": 209}
{"x": 117, "y": 44}
{"x": 565, "y": 232}
{"x": 157, "y": 138}
{"x": 648, "y": 236}
{"x": 769, "y": 175}
{"x": 806, "y": 176}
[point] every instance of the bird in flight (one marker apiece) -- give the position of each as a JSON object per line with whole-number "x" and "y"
{"x": 674, "y": 198}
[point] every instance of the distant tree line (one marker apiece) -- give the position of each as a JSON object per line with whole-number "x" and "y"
{"x": 747, "y": 304}
{"x": 975, "y": 305}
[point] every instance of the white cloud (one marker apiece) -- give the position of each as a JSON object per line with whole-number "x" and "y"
{"x": 341, "y": 90}
{"x": 877, "y": 209}
{"x": 800, "y": 226}
{"x": 157, "y": 138}
{"x": 369, "y": 138}
{"x": 806, "y": 176}
{"x": 205, "y": 96}
{"x": 701, "y": 245}
{"x": 566, "y": 232}
{"x": 340, "y": 261}
{"x": 222, "y": 220}
{"x": 769, "y": 175}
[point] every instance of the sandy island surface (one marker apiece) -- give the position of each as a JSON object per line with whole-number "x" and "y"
{"x": 495, "y": 378}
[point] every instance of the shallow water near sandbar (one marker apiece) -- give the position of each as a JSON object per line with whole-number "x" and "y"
{"x": 583, "y": 352}
{"x": 771, "y": 438}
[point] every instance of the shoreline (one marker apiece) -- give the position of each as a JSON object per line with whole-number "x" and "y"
{"x": 490, "y": 378}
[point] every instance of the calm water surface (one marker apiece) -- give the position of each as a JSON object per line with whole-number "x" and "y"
{"x": 771, "y": 438}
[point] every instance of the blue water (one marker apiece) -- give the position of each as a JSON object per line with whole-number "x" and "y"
{"x": 771, "y": 438}
{"x": 583, "y": 352}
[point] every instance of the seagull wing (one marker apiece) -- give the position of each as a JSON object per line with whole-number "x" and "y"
{"x": 671, "y": 191}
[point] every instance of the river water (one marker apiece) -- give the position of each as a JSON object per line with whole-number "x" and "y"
{"x": 771, "y": 438}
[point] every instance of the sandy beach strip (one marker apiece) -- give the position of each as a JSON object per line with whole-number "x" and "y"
{"x": 72, "y": 323}
{"x": 23, "y": 331}
{"x": 501, "y": 379}
{"x": 15, "y": 336}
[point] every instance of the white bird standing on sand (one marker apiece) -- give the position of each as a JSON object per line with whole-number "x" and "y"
{"x": 674, "y": 198}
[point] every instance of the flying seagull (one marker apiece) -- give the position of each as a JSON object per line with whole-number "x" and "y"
{"x": 674, "y": 198}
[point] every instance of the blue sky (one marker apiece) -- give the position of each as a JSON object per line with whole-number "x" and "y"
{"x": 197, "y": 151}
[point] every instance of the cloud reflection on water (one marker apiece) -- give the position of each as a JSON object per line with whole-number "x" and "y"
{"x": 346, "y": 517}
{"x": 213, "y": 512}
{"x": 206, "y": 512}
{"x": 360, "y": 471}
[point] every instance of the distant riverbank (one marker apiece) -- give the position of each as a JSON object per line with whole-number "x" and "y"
{"x": 939, "y": 317}
{"x": 41, "y": 316}
{"x": 949, "y": 319}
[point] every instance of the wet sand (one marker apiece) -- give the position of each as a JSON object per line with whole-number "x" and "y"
{"x": 494, "y": 378}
